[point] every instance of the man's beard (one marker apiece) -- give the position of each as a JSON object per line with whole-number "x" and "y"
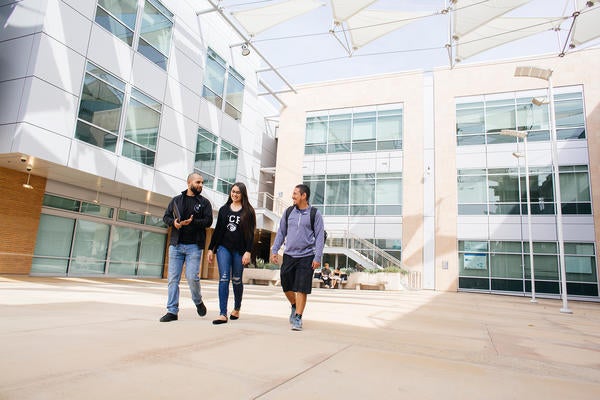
{"x": 196, "y": 190}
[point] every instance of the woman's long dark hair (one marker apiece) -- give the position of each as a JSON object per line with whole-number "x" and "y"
{"x": 248, "y": 216}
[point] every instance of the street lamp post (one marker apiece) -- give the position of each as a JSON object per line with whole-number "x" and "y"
{"x": 523, "y": 135}
{"x": 545, "y": 74}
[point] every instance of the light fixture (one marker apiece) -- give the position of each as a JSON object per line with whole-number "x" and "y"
{"x": 538, "y": 102}
{"x": 545, "y": 74}
{"x": 245, "y": 49}
{"x": 27, "y": 185}
{"x": 518, "y": 155}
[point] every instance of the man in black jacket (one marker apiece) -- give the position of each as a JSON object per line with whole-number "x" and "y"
{"x": 189, "y": 214}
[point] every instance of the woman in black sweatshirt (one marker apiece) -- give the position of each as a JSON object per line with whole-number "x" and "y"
{"x": 232, "y": 242}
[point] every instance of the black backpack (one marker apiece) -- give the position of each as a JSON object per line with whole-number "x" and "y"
{"x": 313, "y": 212}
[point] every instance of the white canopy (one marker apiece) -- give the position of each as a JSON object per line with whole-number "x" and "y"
{"x": 344, "y": 9}
{"x": 369, "y": 25}
{"x": 469, "y": 15}
{"x": 500, "y": 31}
{"x": 256, "y": 20}
{"x": 587, "y": 26}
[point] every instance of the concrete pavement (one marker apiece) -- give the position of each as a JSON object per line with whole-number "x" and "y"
{"x": 75, "y": 338}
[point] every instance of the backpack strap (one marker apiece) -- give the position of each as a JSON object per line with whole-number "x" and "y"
{"x": 313, "y": 212}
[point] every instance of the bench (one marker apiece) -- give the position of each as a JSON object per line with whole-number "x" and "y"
{"x": 265, "y": 282}
{"x": 370, "y": 286}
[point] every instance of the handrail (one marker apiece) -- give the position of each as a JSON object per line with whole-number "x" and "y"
{"x": 379, "y": 257}
{"x": 268, "y": 201}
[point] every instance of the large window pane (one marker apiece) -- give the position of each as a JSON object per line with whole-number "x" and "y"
{"x": 214, "y": 79}
{"x": 156, "y": 29}
{"x": 498, "y": 118}
{"x": 53, "y": 245}
{"x": 118, "y": 17}
{"x": 89, "y": 249}
{"x": 470, "y": 121}
{"x": 125, "y": 245}
{"x": 100, "y": 104}
{"x": 234, "y": 94}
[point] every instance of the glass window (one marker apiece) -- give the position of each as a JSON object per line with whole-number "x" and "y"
{"x": 362, "y": 194}
{"x": 100, "y": 108}
{"x": 124, "y": 251}
{"x": 155, "y": 34}
{"x": 223, "y": 81}
{"x": 90, "y": 248}
{"x": 470, "y": 120}
{"x": 388, "y": 194}
{"x": 227, "y": 167}
{"x": 365, "y": 129}
{"x": 118, "y": 17}
{"x": 97, "y": 210}
{"x": 152, "y": 254}
{"x": 131, "y": 216}
{"x": 53, "y": 245}
{"x": 61, "y": 202}
{"x": 337, "y": 192}
{"x": 206, "y": 156}
{"x": 569, "y": 113}
{"x": 389, "y": 130}
{"x": 234, "y": 99}
{"x": 317, "y": 189}
{"x": 141, "y": 128}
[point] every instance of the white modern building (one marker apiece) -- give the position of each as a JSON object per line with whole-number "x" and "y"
{"x": 109, "y": 105}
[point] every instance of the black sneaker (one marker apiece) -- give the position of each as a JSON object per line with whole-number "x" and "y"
{"x": 201, "y": 308}
{"x": 168, "y": 317}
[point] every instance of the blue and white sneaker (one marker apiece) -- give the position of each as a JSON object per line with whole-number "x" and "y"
{"x": 293, "y": 314}
{"x": 297, "y": 323}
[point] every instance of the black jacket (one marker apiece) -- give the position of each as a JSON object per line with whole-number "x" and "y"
{"x": 245, "y": 244}
{"x": 203, "y": 217}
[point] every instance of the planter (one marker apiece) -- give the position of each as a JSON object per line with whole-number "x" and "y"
{"x": 260, "y": 276}
{"x": 379, "y": 280}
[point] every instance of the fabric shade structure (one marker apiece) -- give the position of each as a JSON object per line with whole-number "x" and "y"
{"x": 587, "y": 26}
{"x": 469, "y": 15}
{"x": 500, "y": 31}
{"x": 369, "y": 25}
{"x": 260, "y": 19}
{"x": 344, "y": 9}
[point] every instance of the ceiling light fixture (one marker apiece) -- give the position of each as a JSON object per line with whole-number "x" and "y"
{"x": 245, "y": 49}
{"x": 27, "y": 185}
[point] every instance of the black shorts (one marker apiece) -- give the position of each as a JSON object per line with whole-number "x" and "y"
{"x": 297, "y": 274}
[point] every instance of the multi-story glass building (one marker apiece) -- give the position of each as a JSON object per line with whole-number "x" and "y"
{"x": 415, "y": 164}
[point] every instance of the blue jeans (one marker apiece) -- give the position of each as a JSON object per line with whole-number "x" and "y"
{"x": 191, "y": 255}
{"x": 230, "y": 268}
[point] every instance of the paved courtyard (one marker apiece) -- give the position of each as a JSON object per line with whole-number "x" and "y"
{"x": 75, "y": 338}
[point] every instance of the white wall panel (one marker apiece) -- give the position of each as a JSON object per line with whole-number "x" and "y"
{"x": 209, "y": 117}
{"x": 11, "y": 93}
{"x": 21, "y": 18}
{"x": 134, "y": 173}
{"x": 173, "y": 159}
{"x": 149, "y": 77}
{"x": 85, "y": 7}
{"x": 230, "y": 130}
{"x": 58, "y": 65}
{"x": 68, "y": 26}
{"x": 182, "y": 99}
{"x": 186, "y": 70}
{"x": 14, "y": 57}
{"x": 178, "y": 129}
{"x": 168, "y": 185}
{"x": 57, "y": 116}
{"x": 7, "y": 133}
{"x": 41, "y": 143}
{"x": 578, "y": 228}
{"x": 110, "y": 53}
{"x": 92, "y": 159}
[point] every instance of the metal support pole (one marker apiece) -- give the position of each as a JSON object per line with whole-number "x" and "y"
{"x": 558, "y": 200}
{"x": 531, "y": 265}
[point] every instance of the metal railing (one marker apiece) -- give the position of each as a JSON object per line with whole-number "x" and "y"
{"x": 376, "y": 255}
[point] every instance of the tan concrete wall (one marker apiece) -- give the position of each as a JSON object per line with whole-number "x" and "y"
{"x": 20, "y": 210}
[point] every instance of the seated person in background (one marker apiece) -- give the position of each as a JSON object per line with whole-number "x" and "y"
{"x": 326, "y": 275}
{"x": 336, "y": 277}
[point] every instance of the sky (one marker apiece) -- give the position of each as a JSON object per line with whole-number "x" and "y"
{"x": 303, "y": 51}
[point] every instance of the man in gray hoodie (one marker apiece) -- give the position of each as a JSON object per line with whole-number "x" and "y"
{"x": 304, "y": 242}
